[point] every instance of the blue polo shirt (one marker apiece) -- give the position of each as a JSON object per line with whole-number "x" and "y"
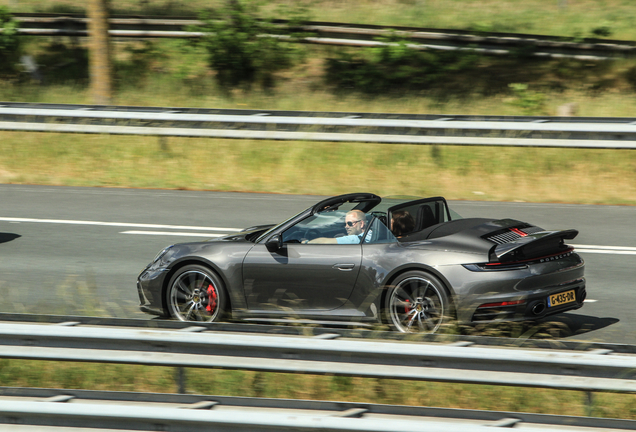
{"x": 353, "y": 239}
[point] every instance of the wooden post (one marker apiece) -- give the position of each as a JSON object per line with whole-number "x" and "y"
{"x": 100, "y": 68}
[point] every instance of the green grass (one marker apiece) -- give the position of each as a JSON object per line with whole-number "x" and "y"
{"x": 456, "y": 172}
{"x": 30, "y": 373}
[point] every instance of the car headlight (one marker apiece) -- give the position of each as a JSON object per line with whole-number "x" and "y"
{"x": 161, "y": 260}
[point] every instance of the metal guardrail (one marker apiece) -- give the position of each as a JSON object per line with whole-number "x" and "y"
{"x": 178, "y": 344}
{"x": 195, "y": 346}
{"x": 127, "y": 411}
{"x": 612, "y": 133}
{"x": 341, "y": 330}
{"x": 345, "y": 34}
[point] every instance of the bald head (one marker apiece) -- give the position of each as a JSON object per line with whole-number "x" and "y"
{"x": 355, "y": 222}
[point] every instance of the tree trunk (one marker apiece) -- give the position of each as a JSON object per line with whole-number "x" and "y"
{"x": 100, "y": 67}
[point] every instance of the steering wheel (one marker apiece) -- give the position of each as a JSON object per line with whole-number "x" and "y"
{"x": 310, "y": 234}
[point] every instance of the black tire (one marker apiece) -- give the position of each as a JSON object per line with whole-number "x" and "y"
{"x": 417, "y": 302}
{"x": 195, "y": 293}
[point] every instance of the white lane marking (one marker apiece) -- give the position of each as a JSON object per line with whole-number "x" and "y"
{"x": 117, "y": 224}
{"x": 625, "y": 248}
{"x": 589, "y": 301}
{"x": 172, "y": 233}
{"x": 609, "y": 252}
{"x": 614, "y": 250}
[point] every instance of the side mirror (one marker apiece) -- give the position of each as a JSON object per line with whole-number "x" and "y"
{"x": 274, "y": 243}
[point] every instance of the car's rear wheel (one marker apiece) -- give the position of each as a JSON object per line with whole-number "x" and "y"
{"x": 417, "y": 302}
{"x": 195, "y": 293}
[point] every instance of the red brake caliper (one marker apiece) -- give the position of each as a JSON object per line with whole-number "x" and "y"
{"x": 211, "y": 299}
{"x": 407, "y": 309}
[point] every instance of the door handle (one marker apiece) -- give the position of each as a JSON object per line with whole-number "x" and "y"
{"x": 344, "y": 267}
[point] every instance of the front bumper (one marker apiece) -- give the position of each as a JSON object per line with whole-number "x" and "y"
{"x": 150, "y": 289}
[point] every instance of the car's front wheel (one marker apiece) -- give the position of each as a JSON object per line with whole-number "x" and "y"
{"x": 417, "y": 302}
{"x": 195, "y": 293}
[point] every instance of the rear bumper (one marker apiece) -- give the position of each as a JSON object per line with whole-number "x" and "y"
{"x": 534, "y": 306}
{"x": 517, "y": 294}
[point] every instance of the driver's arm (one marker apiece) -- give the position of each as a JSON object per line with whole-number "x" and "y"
{"x": 322, "y": 240}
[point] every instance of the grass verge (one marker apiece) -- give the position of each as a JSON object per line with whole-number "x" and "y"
{"x": 456, "y": 172}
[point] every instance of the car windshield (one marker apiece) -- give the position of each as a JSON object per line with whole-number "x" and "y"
{"x": 330, "y": 221}
{"x": 275, "y": 227}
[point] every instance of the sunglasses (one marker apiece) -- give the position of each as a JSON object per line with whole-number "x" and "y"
{"x": 352, "y": 223}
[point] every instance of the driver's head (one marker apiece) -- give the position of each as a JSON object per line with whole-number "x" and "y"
{"x": 355, "y": 222}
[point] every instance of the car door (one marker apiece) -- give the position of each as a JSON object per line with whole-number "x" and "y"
{"x": 302, "y": 277}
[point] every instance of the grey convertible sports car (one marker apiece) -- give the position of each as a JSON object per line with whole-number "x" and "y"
{"x": 408, "y": 262}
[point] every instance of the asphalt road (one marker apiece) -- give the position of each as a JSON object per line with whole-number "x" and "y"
{"x": 67, "y": 250}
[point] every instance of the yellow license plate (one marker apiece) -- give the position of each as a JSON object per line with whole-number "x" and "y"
{"x": 561, "y": 298}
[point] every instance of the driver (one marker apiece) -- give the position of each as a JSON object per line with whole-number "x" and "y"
{"x": 355, "y": 224}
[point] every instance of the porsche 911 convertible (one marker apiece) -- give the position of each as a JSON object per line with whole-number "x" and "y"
{"x": 408, "y": 262}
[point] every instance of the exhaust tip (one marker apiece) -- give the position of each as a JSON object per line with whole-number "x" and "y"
{"x": 538, "y": 308}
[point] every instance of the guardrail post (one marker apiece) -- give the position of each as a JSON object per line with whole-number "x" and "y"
{"x": 163, "y": 143}
{"x": 259, "y": 384}
{"x": 180, "y": 378}
{"x": 589, "y": 401}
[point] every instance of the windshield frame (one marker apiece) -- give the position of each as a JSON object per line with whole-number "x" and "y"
{"x": 366, "y": 202}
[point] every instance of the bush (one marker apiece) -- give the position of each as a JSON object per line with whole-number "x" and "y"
{"x": 530, "y": 102}
{"x": 139, "y": 60}
{"x": 63, "y": 63}
{"x": 238, "y": 48}
{"x": 10, "y": 47}
{"x": 395, "y": 66}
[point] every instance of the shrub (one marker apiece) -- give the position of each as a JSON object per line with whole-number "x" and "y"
{"x": 630, "y": 76}
{"x": 531, "y": 102}
{"x": 241, "y": 47}
{"x": 138, "y": 63}
{"x": 10, "y": 47}
{"x": 63, "y": 62}
{"x": 394, "y": 66}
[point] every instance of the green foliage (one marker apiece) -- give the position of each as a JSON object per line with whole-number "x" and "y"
{"x": 630, "y": 76}
{"x": 602, "y": 31}
{"x": 531, "y": 102}
{"x": 240, "y": 46}
{"x": 189, "y": 54}
{"x": 63, "y": 63}
{"x": 137, "y": 63}
{"x": 61, "y": 8}
{"x": 158, "y": 8}
{"x": 395, "y": 65}
{"x": 10, "y": 47}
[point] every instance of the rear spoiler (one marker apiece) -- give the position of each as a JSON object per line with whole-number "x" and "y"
{"x": 533, "y": 245}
